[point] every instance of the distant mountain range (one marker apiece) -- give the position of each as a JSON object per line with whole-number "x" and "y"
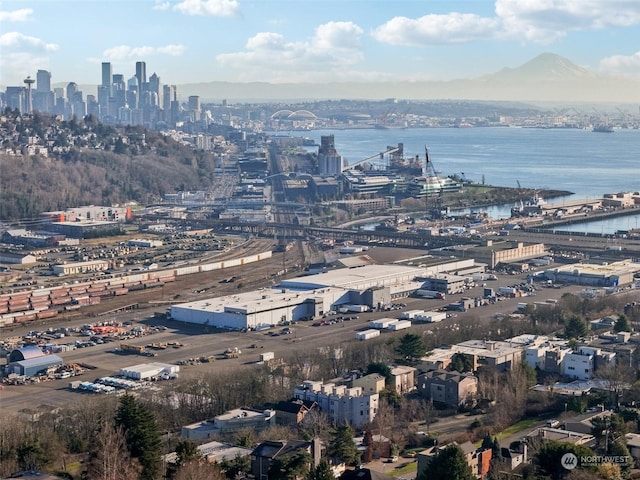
{"x": 546, "y": 78}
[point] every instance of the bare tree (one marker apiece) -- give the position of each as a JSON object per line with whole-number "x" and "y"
{"x": 110, "y": 457}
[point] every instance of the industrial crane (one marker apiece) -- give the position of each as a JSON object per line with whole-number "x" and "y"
{"x": 373, "y": 157}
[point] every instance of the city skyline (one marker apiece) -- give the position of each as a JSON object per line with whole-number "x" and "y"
{"x": 279, "y": 42}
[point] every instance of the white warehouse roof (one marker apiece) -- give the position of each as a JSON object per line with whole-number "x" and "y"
{"x": 359, "y": 278}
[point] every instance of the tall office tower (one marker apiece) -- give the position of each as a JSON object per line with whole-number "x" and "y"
{"x": 43, "y": 81}
{"x": 106, "y": 74}
{"x": 154, "y": 85}
{"x": 72, "y": 88}
{"x": 133, "y": 92}
{"x": 43, "y": 99}
{"x": 194, "y": 107}
{"x": 118, "y": 92}
{"x": 15, "y": 97}
{"x": 141, "y": 73}
{"x": 166, "y": 98}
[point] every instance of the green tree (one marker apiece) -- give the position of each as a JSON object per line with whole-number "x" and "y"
{"x": 186, "y": 451}
{"x": 31, "y": 455}
{"x": 461, "y": 363}
{"x": 548, "y": 459}
{"x": 142, "y": 436}
{"x": 233, "y": 468}
{"x": 619, "y": 449}
{"x": 449, "y": 463}
{"x": 381, "y": 368}
{"x": 290, "y": 467}
{"x": 321, "y": 472}
{"x": 342, "y": 447}
{"x": 622, "y": 324}
{"x": 576, "y": 327}
{"x": 410, "y": 349}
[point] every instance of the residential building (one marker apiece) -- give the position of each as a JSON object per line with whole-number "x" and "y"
{"x": 266, "y": 452}
{"x": 478, "y": 458}
{"x": 404, "y": 378}
{"x": 448, "y": 388}
{"x": 372, "y": 383}
{"x": 230, "y": 422}
{"x": 292, "y": 412}
{"x": 362, "y": 473}
{"x": 633, "y": 444}
{"x": 584, "y": 423}
{"x": 339, "y": 403}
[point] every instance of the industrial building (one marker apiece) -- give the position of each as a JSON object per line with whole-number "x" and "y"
{"x": 146, "y": 371}
{"x": 615, "y": 274}
{"x": 80, "y": 267}
{"x": 494, "y": 253}
{"x": 310, "y": 296}
{"x": 230, "y": 422}
{"x": 30, "y": 361}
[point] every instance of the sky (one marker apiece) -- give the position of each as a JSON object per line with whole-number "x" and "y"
{"x": 283, "y": 41}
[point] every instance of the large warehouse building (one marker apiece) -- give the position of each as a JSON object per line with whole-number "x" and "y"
{"x": 31, "y": 360}
{"x": 306, "y": 297}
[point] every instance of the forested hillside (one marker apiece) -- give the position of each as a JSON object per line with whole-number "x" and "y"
{"x": 89, "y": 163}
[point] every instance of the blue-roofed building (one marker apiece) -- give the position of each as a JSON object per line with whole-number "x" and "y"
{"x": 31, "y": 360}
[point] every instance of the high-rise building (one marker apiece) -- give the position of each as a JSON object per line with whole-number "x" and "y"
{"x": 141, "y": 72}
{"x": 43, "y": 99}
{"x": 43, "y": 81}
{"x": 106, "y": 74}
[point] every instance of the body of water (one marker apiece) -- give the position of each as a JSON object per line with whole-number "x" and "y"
{"x": 587, "y": 163}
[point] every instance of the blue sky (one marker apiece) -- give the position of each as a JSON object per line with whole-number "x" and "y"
{"x": 187, "y": 41}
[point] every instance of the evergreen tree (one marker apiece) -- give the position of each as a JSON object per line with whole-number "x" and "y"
{"x": 449, "y": 463}
{"x": 381, "y": 368}
{"x": 342, "y": 447}
{"x": 142, "y": 436}
{"x": 622, "y": 324}
{"x": 321, "y": 472}
{"x": 576, "y": 327}
{"x": 410, "y": 349}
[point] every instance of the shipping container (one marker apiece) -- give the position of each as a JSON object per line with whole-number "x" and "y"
{"x": 208, "y": 267}
{"x": 382, "y": 323}
{"x": 410, "y": 314}
{"x": 187, "y": 270}
{"x": 367, "y": 334}
{"x": 267, "y": 356}
{"x": 401, "y": 325}
{"x": 46, "y": 314}
{"x": 431, "y": 317}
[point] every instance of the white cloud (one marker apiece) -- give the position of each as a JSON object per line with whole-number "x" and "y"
{"x": 17, "y": 41}
{"x": 18, "y": 65}
{"x": 216, "y": 8}
{"x": 124, "y": 52}
{"x": 435, "y": 29}
{"x": 21, "y": 15}
{"x": 161, "y": 5}
{"x": 547, "y": 20}
{"x": 623, "y": 64}
{"x": 334, "y": 47}
{"x": 540, "y": 21}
